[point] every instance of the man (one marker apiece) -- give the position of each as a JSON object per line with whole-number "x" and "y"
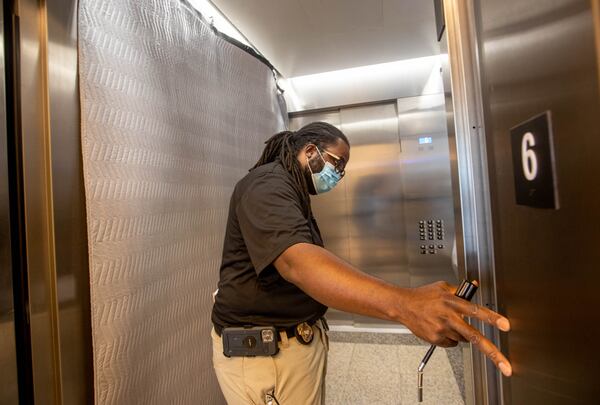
{"x": 275, "y": 272}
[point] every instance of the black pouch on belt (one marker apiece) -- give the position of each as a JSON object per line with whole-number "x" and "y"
{"x": 250, "y": 341}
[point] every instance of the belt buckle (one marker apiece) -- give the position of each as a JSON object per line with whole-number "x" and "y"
{"x": 304, "y": 333}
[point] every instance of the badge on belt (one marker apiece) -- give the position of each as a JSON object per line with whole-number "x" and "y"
{"x": 304, "y": 333}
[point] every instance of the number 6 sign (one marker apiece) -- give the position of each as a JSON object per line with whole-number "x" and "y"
{"x": 528, "y": 157}
{"x": 533, "y": 163}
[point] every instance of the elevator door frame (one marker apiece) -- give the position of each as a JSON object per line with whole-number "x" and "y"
{"x": 48, "y": 204}
{"x": 464, "y": 103}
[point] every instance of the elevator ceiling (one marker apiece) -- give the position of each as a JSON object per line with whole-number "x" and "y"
{"x": 303, "y": 37}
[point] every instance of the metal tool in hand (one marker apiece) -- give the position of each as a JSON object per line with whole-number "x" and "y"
{"x": 466, "y": 290}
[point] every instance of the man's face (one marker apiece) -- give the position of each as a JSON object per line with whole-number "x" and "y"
{"x": 337, "y": 154}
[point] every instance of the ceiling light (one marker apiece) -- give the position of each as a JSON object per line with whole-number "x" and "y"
{"x": 218, "y": 20}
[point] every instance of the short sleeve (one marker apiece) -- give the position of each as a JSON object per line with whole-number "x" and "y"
{"x": 271, "y": 219}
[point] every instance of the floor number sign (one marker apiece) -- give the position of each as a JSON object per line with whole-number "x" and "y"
{"x": 533, "y": 163}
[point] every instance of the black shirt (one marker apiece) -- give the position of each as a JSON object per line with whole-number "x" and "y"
{"x": 265, "y": 218}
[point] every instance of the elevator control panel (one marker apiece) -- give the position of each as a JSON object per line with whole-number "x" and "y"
{"x": 431, "y": 236}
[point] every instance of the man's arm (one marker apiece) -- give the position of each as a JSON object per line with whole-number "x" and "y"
{"x": 431, "y": 312}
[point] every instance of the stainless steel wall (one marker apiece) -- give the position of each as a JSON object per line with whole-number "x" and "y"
{"x": 427, "y": 189}
{"x": 392, "y": 214}
{"x": 538, "y": 56}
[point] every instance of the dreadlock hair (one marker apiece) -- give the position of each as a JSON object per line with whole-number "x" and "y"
{"x": 286, "y": 145}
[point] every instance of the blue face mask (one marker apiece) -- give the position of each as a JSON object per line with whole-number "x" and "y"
{"x": 327, "y": 178}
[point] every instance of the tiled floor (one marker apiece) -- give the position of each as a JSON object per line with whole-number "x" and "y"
{"x": 380, "y": 368}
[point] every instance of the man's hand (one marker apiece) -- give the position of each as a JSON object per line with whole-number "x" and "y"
{"x": 435, "y": 314}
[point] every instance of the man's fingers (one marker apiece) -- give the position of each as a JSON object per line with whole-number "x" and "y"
{"x": 472, "y": 310}
{"x": 485, "y": 346}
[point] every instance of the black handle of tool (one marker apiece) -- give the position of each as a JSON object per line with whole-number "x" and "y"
{"x": 466, "y": 290}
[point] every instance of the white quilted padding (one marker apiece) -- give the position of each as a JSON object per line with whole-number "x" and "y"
{"x": 172, "y": 116}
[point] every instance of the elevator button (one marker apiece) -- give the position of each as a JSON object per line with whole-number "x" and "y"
{"x": 440, "y": 246}
{"x": 432, "y": 252}
{"x": 423, "y": 252}
{"x": 422, "y": 237}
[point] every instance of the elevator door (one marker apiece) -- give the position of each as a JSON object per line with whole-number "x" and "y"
{"x": 538, "y": 57}
{"x": 374, "y": 201}
{"x": 362, "y": 219}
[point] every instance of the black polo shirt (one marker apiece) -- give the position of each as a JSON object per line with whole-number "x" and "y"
{"x": 265, "y": 218}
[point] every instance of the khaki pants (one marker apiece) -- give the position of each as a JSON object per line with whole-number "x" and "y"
{"x": 296, "y": 374}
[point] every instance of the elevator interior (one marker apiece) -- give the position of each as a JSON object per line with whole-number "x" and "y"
{"x": 393, "y": 217}
{"x": 425, "y": 147}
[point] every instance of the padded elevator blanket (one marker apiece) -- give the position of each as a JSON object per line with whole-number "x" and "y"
{"x": 172, "y": 117}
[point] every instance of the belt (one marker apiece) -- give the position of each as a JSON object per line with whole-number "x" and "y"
{"x": 289, "y": 331}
